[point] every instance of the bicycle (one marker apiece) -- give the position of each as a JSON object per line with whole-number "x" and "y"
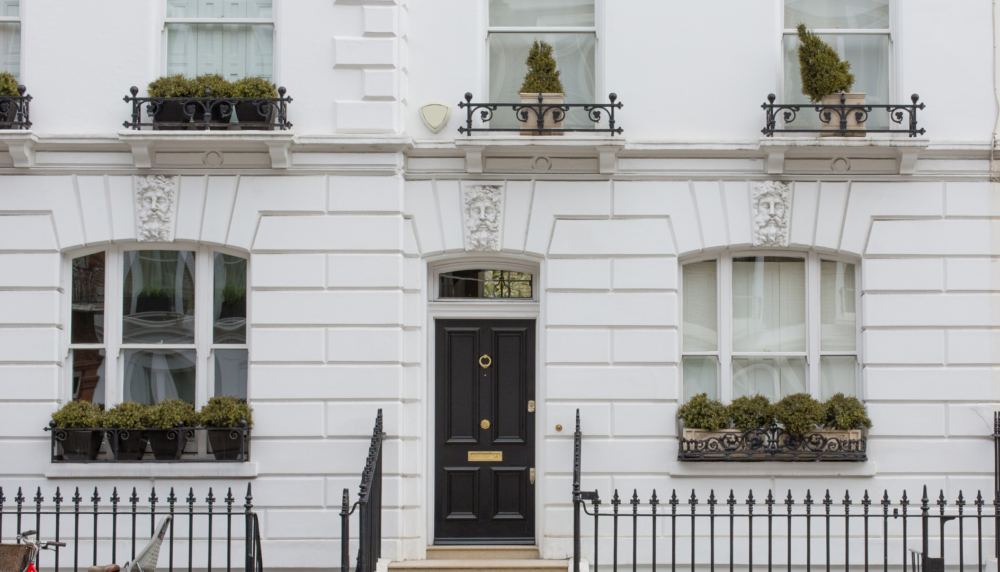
{"x": 21, "y": 557}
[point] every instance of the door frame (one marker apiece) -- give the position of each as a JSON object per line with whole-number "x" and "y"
{"x": 485, "y": 310}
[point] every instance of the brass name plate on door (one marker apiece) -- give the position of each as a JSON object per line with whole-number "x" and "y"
{"x": 485, "y": 456}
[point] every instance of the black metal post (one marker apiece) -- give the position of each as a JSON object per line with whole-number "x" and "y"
{"x": 577, "y": 438}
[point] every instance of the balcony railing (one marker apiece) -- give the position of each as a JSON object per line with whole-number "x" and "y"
{"x": 369, "y": 505}
{"x": 215, "y": 113}
{"x": 535, "y": 116}
{"x": 14, "y": 110}
{"x": 181, "y": 444}
{"x": 772, "y": 444}
{"x": 837, "y": 119}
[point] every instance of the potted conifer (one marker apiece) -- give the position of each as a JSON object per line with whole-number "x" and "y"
{"x": 129, "y": 419}
{"x": 827, "y": 81}
{"x": 170, "y": 111}
{"x": 541, "y": 81}
{"x": 169, "y": 420}
{"x": 256, "y": 115}
{"x": 81, "y": 445}
{"x": 226, "y": 417}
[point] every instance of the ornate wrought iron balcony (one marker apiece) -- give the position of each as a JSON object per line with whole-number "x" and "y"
{"x": 216, "y": 113}
{"x": 837, "y": 119}
{"x": 772, "y": 444}
{"x": 180, "y": 444}
{"x": 14, "y": 110}
{"x": 535, "y": 117}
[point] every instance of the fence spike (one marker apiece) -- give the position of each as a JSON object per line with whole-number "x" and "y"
{"x": 750, "y": 502}
{"x": 58, "y": 498}
{"x": 115, "y": 498}
{"x": 616, "y": 501}
{"x": 635, "y": 499}
{"x": 904, "y": 502}
{"x": 134, "y": 499}
{"x": 924, "y": 501}
{"x": 248, "y": 505}
{"x": 960, "y": 502}
{"x": 941, "y": 502}
{"x": 190, "y": 498}
{"x": 39, "y": 498}
{"x": 152, "y": 498}
{"x": 210, "y": 499}
{"x": 866, "y": 501}
{"x": 172, "y": 499}
{"x": 885, "y": 501}
{"x": 693, "y": 500}
{"x": 77, "y": 499}
{"x": 789, "y": 501}
{"x": 808, "y": 502}
{"x": 19, "y": 499}
{"x": 230, "y": 499}
{"x": 673, "y": 501}
{"x": 731, "y": 502}
{"x": 2, "y": 498}
{"x": 769, "y": 501}
{"x": 712, "y": 501}
{"x": 979, "y": 501}
{"x": 654, "y": 501}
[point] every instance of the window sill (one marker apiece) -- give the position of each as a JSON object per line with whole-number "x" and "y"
{"x": 207, "y": 470}
{"x": 683, "y": 469}
{"x": 842, "y": 155}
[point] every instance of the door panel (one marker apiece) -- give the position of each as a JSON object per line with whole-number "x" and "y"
{"x": 485, "y": 376}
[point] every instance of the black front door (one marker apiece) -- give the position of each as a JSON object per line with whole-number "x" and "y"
{"x": 485, "y": 432}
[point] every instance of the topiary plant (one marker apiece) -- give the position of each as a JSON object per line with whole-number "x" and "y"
{"x": 542, "y": 76}
{"x": 226, "y": 411}
{"x": 217, "y": 85}
{"x": 700, "y": 412}
{"x": 798, "y": 413}
{"x": 170, "y": 413}
{"x": 254, "y": 87}
{"x": 822, "y": 71}
{"x": 234, "y": 293}
{"x": 170, "y": 86}
{"x": 844, "y": 413}
{"x": 751, "y": 412}
{"x": 79, "y": 415}
{"x": 8, "y": 84}
{"x": 128, "y": 415}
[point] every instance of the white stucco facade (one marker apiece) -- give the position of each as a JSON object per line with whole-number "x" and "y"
{"x": 347, "y": 218}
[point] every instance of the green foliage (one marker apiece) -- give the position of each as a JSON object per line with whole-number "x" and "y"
{"x": 844, "y": 413}
{"x": 798, "y": 413}
{"x": 170, "y": 413}
{"x": 751, "y": 412}
{"x": 79, "y": 414}
{"x": 700, "y": 412}
{"x": 152, "y": 292}
{"x": 8, "y": 84}
{"x": 234, "y": 293}
{"x": 218, "y": 85}
{"x": 128, "y": 415}
{"x": 822, "y": 71}
{"x": 542, "y": 76}
{"x": 226, "y": 412}
{"x": 254, "y": 87}
{"x": 170, "y": 86}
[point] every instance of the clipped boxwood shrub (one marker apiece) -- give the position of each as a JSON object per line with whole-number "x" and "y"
{"x": 700, "y": 412}
{"x": 254, "y": 87}
{"x": 170, "y": 413}
{"x": 820, "y": 67}
{"x": 218, "y": 86}
{"x": 751, "y": 412}
{"x": 226, "y": 412}
{"x": 8, "y": 84}
{"x": 128, "y": 415}
{"x": 798, "y": 413}
{"x": 79, "y": 415}
{"x": 542, "y": 76}
{"x": 844, "y": 413}
{"x": 170, "y": 86}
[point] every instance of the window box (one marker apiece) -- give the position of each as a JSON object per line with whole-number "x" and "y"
{"x": 14, "y": 110}
{"x": 216, "y": 113}
{"x": 94, "y": 445}
{"x": 771, "y": 444}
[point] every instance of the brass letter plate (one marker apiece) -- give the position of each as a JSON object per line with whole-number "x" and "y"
{"x": 485, "y": 456}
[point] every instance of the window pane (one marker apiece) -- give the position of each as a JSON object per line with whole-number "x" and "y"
{"x": 232, "y": 50}
{"x": 574, "y": 54}
{"x": 837, "y": 375}
{"x": 701, "y": 323}
{"x": 231, "y": 373}
{"x": 158, "y": 297}
{"x": 154, "y": 375}
{"x": 837, "y": 303}
{"x": 771, "y": 376}
{"x": 88, "y": 300}
{"x": 869, "y": 57}
{"x": 10, "y": 48}
{"x": 700, "y": 376}
{"x": 227, "y": 9}
{"x": 485, "y": 284}
{"x": 229, "y": 305}
{"x": 547, "y": 13}
{"x": 88, "y": 376}
{"x": 828, "y": 14}
{"x": 769, "y": 304}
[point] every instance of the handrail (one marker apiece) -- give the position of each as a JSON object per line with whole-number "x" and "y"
{"x": 369, "y": 505}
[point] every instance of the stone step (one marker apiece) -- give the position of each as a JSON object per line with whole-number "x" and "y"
{"x": 482, "y": 553}
{"x": 490, "y": 565}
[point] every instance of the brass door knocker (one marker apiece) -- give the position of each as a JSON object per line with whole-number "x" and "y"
{"x": 488, "y": 361}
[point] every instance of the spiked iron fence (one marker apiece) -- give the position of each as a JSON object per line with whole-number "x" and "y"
{"x": 369, "y": 506}
{"x": 112, "y": 532}
{"x": 807, "y": 532}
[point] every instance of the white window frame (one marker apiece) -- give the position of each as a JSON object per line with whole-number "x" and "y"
{"x": 892, "y": 33}
{"x": 17, "y": 20}
{"x": 275, "y": 11}
{"x": 114, "y": 383}
{"x": 596, "y": 29}
{"x": 724, "y": 305}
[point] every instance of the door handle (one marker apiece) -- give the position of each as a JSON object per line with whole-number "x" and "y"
{"x": 484, "y": 424}
{"x": 531, "y": 475}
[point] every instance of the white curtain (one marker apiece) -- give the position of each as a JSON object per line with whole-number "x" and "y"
{"x": 769, "y": 304}
{"x": 837, "y": 306}
{"x": 232, "y": 50}
{"x": 770, "y": 376}
{"x": 701, "y": 316}
{"x": 231, "y": 373}
{"x": 154, "y": 375}
{"x": 10, "y": 39}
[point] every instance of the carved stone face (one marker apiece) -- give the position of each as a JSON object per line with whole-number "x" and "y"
{"x": 482, "y": 216}
{"x": 153, "y": 205}
{"x": 770, "y": 212}
{"x": 154, "y": 208}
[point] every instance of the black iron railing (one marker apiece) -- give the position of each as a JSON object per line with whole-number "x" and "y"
{"x": 194, "y": 535}
{"x": 14, "y": 110}
{"x": 533, "y": 116}
{"x": 181, "y": 444}
{"x": 216, "y": 113}
{"x": 836, "y": 118}
{"x": 369, "y": 505}
{"x": 807, "y": 531}
{"x": 773, "y": 444}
